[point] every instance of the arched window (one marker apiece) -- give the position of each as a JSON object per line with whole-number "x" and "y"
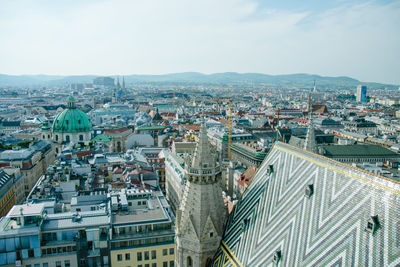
{"x": 48, "y": 136}
{"x": 189, "y": 262}
{"x": 67, "y": 139}
{"x": 81, "y": 137}
{"x": 44, "y": 137}
{"x": 56, "y": 137}
{"x": 208, "y": 262}
{"x": 57, "y": 150}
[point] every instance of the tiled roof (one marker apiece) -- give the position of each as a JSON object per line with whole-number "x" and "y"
{"x": 312, "y": 211}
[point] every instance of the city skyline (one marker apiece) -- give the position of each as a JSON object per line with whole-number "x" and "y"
{"x": 357, "y": 39}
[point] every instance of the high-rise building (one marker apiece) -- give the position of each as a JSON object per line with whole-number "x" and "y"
{"x": 362, "y": 93}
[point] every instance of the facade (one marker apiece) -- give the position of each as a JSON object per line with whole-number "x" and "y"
{"x": 361, "y": 153}
{"x": 201, "y": 215}
{"x": 142, "y": 230}
{"x": 247, "y": 154}
{"x": 302, "y": 209}
{"x": 32, "y": 162}
{"x": 360, "y": 126}
{"x": 7, "y": 197}
{"x": 175, "y": 179}
{"x": 361, "y": 93}
{"x": 123, "y": 228}
{"x": 118, "y": 138}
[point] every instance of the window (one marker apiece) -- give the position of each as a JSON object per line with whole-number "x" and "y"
{"x": 146, "y": 255}
{"x": 67, "y": 139}
{"x": 139, "y": 256}
{"x": 81, "y": 137}
{"x": 153, "y": 254}
{"x": 28, "y": 265}
{"x": 58, "y": 263}
{"x": 66, "y": 121}
{"x": 67, "y": 263}
{"x": 45, "y": 264}
{"x": 171, "y": 264}
{"x": 119, "y": 257}
{"x": 165, "y": 264}
{"x": 154, "y": 265}
{"x": 127, "y": 256}
{"x": 171, "y": 251}
{"x": 37, "y": 265}
{"x": 189, "y": 262}
{"x": 165, "y": 252}
{"x": 147, "y": 265}
{"x": 56, "y": 137}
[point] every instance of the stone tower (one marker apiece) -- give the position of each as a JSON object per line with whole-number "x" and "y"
{"x": 201, "y": 216}
{"x": 310, "y": 144}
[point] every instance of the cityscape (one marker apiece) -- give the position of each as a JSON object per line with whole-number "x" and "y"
{"x": 185, "y": 168}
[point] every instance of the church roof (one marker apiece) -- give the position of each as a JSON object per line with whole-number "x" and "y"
{"x": 71, "y": 120}
{"x": 302, "y": 209}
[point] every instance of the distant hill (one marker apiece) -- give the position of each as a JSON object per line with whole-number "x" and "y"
{"x": 287, "y": 80}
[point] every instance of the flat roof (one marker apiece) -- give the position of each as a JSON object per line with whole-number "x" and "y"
{"x": 26, "y": 210}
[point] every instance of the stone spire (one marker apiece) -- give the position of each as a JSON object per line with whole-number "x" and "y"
{"x": 201, "y": 215}
{"x": 118, "y": 84}
{"x": 201, "y": 156}
{"x": 315, "y": 87}
{"x": 310, "y": 143}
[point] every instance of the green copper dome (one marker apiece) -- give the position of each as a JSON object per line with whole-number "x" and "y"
{"x": 71, "y": 120}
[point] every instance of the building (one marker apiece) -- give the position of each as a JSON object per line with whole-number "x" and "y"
{"x": 360, "y": 126}
{"x": 7, "y": 197}
{"x": 303, "y": 209}
{"x": 120, "y": 228}
{"x": 32, "y": 162}
{"x": 361, "y": 93}
{"x": 118, "y": 138}
{"x": 201, "y": 216}
{"x": 248, "y": 154}
{"x": 175, "y": 179}
{"x": 360, "y": 153}
{"x": 104, "y": 82}
{"x": 71, "y": 126}
{"x": 142, "y": 229}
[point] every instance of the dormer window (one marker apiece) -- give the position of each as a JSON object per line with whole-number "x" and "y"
{"x": 66, "y": 122}
{"x": 79, "y": 121}
{"x": 270, "y": 169}
{"x": 373, "y": 224}
{"x": 277, "y": 256}
{"x": 211, "y": 234}
{"x": 309, "y": 190}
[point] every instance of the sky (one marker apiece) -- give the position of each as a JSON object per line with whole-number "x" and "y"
{"x": 359, "y": 39}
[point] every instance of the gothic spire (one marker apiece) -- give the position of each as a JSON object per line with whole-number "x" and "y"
{"x": 118, "y": 84}
{"x": 202, "y": 155}
{"x": 315, "y": 87}
{"x": 310, "y": 143}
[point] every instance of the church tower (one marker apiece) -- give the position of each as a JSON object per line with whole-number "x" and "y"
{"x": 201, "y": 216}
{"x": 310, "y": 144}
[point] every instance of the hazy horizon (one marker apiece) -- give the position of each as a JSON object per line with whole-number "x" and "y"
{"x": 357, "y": 39}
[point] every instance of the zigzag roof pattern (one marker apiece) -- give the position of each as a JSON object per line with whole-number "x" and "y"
{"x": 277, "y": 217}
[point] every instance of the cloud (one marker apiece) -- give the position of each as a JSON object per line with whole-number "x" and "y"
{"x": 157, "y": 36}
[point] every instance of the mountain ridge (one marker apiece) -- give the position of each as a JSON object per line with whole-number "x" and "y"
{"x": 282, "y": 80}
